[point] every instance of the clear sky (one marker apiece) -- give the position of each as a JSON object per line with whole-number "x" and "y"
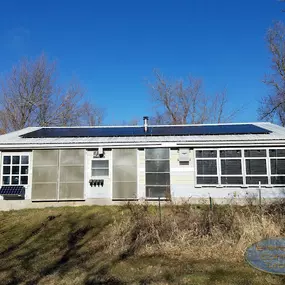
{"x": 113, "y": 46}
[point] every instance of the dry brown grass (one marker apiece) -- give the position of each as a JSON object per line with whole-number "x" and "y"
{"x": 221, "y": 233}
{"x": 131, "y": 245}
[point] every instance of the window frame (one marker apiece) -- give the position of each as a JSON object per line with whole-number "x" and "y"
{"x": 20, "y": 164}
{"x": 100, "y": 176}
{"x": 244, "y": 175}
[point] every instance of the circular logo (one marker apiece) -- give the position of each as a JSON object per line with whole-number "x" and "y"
{"x": 267, "y": 255}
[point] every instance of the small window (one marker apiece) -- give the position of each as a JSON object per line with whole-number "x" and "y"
{"x": 206, "y": 153}
{"x": 206, "y": 167}
{"x": 255, "y": 153}
{"x": 256, "y": 166}
{"x": 15, "y": 169}
{"x": 207, "y": 180}
{"x": 100, "y": 168}
{"x": 230, "y": 153}
{"x": 256, "y": 179}
{"x": 277, "y": 166}
{"x": 232, "y": 180}
{"x": 231, "y": 166}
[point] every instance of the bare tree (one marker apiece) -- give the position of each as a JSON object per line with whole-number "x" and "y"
{"x": 272, "y": 106}
{"x": 182, "y": 102}
{"x": 30, "y": 96}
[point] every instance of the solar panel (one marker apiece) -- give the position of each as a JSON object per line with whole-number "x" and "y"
{"x": 12, "y": 190}
{"x": 237, "y": 129}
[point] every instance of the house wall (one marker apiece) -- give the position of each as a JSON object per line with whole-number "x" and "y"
{"x": 60, "y": 175}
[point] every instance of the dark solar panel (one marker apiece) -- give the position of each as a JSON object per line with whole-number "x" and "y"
{"x": 152, "y": 131}
{"x": 12, "y": 190}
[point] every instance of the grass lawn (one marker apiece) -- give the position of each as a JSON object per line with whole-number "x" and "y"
{"x": 69, "y": 245}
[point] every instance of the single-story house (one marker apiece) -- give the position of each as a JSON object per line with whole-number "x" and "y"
{"x": 48, "y": 166}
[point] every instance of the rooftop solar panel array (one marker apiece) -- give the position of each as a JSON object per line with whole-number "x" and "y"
{"x": 237, "y": 129}
{"x": 12, "y": 190}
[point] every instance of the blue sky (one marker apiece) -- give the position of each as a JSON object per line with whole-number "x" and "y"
{"x": 113, "y": 46}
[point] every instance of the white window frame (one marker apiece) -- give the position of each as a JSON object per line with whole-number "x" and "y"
{"x": 11, "y": 154}
{"x": 243, "y": 167}
{"x": 206, "y": 175}
{"x": 100, "y": 176}
{"x": 269, "y": 161}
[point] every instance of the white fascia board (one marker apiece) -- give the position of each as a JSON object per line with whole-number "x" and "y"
{"x": 146, "y": 144}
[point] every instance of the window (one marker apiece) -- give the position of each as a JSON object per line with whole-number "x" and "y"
{"x": 231, "y": 167}
{"x": 157, "y": 172}
{"x": 100, "y": 168}
{"x": 15, "y": 169}
{"x": 206, "y": 162}
{"x": 236, "y": 167}
{"x": 277, "y": 166}
{"x": 256, "y": 166}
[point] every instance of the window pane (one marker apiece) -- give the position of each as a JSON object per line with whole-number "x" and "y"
{"x": 230, "y": 153}
{"x": 206, "y": 153}
{"x": 157, "y": 191}
{"x": 206, "y": 166}
{"x": 277, "y": 152}
{"x": 234, "y": 180}
{"x": 278, "y": 180}
{"x": 100, "y": 163}
{"x": 24, "y": 180}
{"x": 15, "y": 169}
{"x": 231, "y": 166}
{"x": 207, "y": 180}
{"x": 277, "y": 166}
{"x": 15, "y": 180}
{"x": 255, "y": 153}
{"x": 6, "y": 169}
{"x": 256, "y": 179}
{"x": 16, "y": 159}
{"x": 157, "y": 179}
{"x": 7, "y": 159}
{"x": 256, "y": 166}
{"x": 24, "y": 169}
{"x": 25, "y": 159}
{"x": 6, "y": 180}
{"x": 157, "y": 153}
{"x": 100, "y": 172}
{"x": 157, "y": 166}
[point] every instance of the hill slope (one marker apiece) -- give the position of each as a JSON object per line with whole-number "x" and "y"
{"x": 130, "y": 245}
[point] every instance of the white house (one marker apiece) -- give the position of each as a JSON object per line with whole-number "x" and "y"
{"x": 104, "y": 165}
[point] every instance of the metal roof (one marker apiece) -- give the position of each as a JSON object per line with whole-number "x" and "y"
{"x": 275, "y": 137}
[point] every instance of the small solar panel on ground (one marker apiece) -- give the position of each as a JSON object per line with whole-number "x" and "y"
{"x": 12, "y": 190}
{"x": 237, "y": 129}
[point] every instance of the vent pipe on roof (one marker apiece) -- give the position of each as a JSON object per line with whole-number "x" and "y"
{"x": 145, "y": 123}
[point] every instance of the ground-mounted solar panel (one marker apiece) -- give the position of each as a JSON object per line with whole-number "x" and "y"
{"x": 229, "y": 129}
{"x": 11, "y": 190}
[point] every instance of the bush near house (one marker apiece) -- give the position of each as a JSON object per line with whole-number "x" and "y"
{"x": 131, "y": 244}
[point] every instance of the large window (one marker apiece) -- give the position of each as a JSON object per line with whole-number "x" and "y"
{"x": 157, "y": 172}
{"x": 237, "y": 167}
{"x": 15, "y": 169}
{"x": 100, "y": 168}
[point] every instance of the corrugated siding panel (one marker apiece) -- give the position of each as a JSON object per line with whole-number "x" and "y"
{"x": 45, "y": 175}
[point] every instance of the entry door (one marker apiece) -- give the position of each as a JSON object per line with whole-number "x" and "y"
{"x": 124, "y": 174}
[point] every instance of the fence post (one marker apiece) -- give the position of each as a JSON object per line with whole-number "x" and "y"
{"x": 259, "y": 193}
{"x": 159, "y": 209}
